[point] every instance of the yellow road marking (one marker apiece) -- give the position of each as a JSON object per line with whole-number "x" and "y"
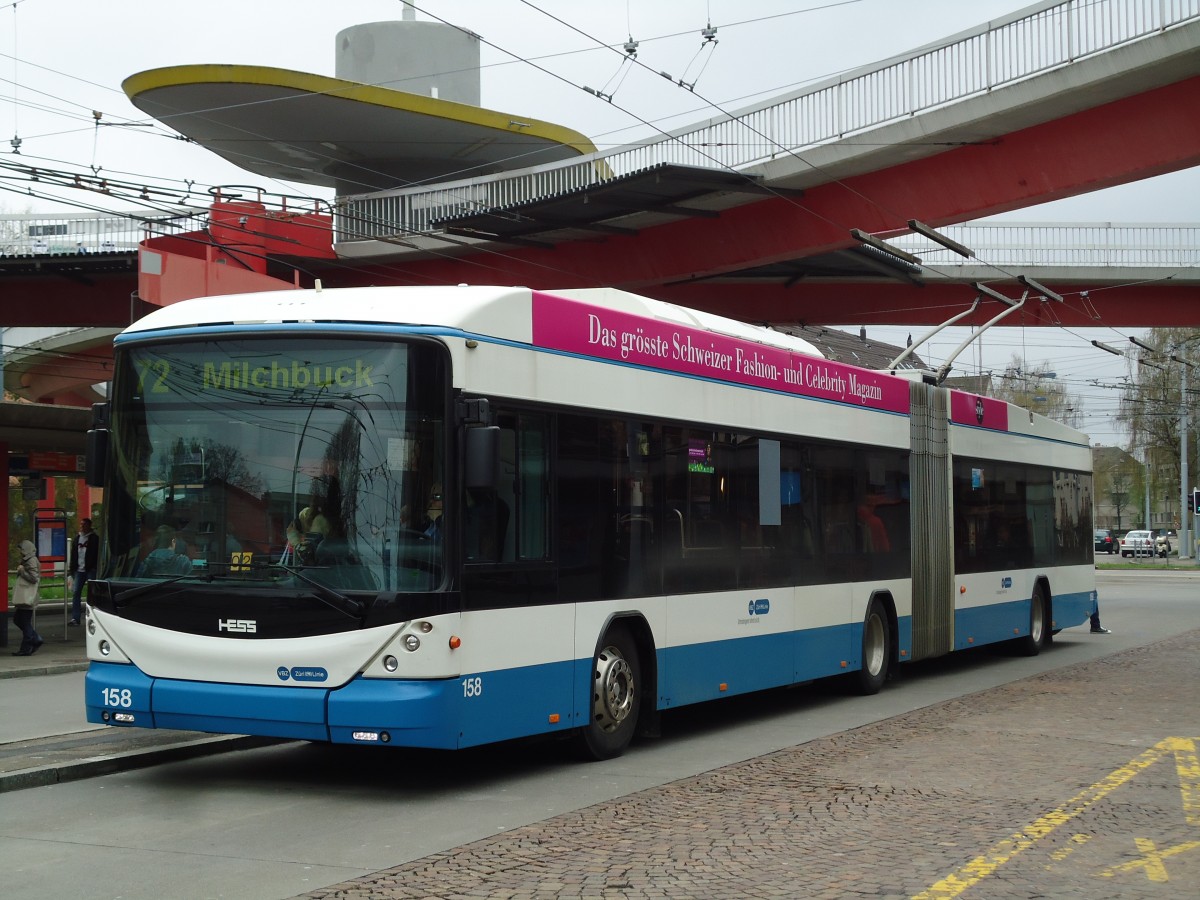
{"x": 1000, "y": 853}
{"x": 1152, "y": 859}
{"x": 1187, "y": 765}
{"x": 1077, "y": 841}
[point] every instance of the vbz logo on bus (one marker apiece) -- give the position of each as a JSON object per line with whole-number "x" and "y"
{"x": 1006, "y": 583}
{"x": 760, "y": 607}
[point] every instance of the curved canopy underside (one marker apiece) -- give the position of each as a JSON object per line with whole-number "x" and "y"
{"x": 342, "y": 134}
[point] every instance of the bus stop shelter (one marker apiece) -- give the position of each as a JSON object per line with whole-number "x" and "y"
{"x": 37, "y": 441}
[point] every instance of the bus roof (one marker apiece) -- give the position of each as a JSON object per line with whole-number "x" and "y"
{"x": 508, "y": 314}
{"x": 502, "y": 312}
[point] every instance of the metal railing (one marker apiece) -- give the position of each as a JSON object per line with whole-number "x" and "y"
{"x": 1019, "y": 46}
{"x": 40, "y": 234}
{"x": 1062, "y": 244}
{"x": 1023, "y": 244}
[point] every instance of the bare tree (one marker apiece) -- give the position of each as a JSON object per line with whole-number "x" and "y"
{"x": 11, "y": 233}
{"x": 1037, "y": 388}
{"x": 1118, "y": 492}
{"x": 1151, "y": 405}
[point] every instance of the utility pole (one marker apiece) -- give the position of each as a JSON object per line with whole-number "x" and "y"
{"x": 1185, "y": 495}
{"x": 1146, "y": 498}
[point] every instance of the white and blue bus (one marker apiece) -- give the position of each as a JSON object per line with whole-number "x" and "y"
{"x": 440, "y": 517}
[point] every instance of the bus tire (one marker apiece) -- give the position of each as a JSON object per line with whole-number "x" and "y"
{"x": 876, "y": 649}
{"x": 1039, "y": 624}
{"x": 616, "y": 697}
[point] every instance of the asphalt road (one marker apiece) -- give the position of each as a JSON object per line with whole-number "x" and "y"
{"x": 284, "y": 820}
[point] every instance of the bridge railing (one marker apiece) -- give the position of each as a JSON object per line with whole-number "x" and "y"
{"x": 1061, "y": 244}
{"x": 1028, "y": 42}
{"x": 39, "y": 234}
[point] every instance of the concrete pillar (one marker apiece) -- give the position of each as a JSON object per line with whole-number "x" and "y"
{"x": 426, "y": 58}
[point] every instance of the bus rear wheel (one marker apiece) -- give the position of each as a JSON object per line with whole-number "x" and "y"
{"x": 616, "y": 697}
{"x": 1039, "y": 635}
{"x": 876, "y": 649}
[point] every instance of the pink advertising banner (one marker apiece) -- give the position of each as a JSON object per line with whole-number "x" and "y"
{"x": 560, "y": 324}
{"x": 971, "y": 409}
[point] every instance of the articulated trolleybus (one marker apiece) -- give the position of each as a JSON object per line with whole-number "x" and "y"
{"x": 440, "y": 517}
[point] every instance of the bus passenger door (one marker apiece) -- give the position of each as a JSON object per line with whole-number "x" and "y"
{"x": 520, "y": 657}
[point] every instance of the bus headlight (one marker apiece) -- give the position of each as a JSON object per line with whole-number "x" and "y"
{"x": 391, "y": 663}
{"x": 411, "y": 642}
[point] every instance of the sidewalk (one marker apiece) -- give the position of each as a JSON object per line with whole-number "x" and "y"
{"x": 64, "y": 650}
{"x": 89, "y": 750}
{"x": 1078, "y": 783}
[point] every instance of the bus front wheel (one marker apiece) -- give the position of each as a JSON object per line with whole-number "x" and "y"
{"x": 616, "y": 697}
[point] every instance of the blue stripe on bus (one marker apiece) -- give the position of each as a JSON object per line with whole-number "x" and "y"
{"x": 997, "y": 622}
{"x": 115, "y": 687}
{"x": 476, "y": 708}
{"x": 979, "y": 625}
{"x": 484, "y": 707}
{"x": 695, "y": 673}
{"x": 1071, "y": 609}
{"x": 287, "y": 712}
{"x": 518, "y": 702}
{"x": 493, "y": 706}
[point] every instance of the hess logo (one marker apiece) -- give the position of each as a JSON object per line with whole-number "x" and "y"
{"x": 237, "y": 626}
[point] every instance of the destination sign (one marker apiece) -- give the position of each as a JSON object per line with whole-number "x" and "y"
{"x": 161, "y": 375}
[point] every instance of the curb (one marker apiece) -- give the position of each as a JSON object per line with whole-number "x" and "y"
{"x": 109, "y": 763}
{"x": 50, "y": 669}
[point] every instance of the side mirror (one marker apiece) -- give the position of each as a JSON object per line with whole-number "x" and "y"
{"x": 97, "y": 446}
{"x": 482, "y": 463}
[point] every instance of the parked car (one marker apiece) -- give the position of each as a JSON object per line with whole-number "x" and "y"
{"x": 1105, "y": 541}
{"x": 1138, "y": 543}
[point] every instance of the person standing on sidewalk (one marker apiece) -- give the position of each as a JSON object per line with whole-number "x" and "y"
{"x": 85, "y": 553}
{"x": 25, "y": 597}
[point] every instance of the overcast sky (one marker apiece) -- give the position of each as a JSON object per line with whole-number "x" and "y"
{"x": 64, "y": 59}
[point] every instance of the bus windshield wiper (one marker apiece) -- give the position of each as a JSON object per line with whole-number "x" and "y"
{"x": 327, "y": 595}
{"x": 335, "y": 599}
{"x": 125, "y": 597}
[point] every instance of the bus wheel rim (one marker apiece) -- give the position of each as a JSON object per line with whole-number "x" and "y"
{"x": 614, "y": 689}
{"x": 874, "y": 650}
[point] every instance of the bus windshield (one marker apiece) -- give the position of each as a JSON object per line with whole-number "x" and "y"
{"x": 271, "y": 459}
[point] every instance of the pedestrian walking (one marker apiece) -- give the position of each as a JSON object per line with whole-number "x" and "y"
{"x": 25, "y": 594}
{"x": 1094, "y": 617}
{"x": 85, "y": 553}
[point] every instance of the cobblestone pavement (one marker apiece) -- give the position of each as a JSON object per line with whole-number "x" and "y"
{"x": 1082, "y": 782}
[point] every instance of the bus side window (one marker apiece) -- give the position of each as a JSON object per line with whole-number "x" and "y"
{"x": 512, "y": 522}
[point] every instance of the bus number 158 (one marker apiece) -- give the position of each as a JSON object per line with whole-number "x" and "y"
{"x": 122, "y": 697}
